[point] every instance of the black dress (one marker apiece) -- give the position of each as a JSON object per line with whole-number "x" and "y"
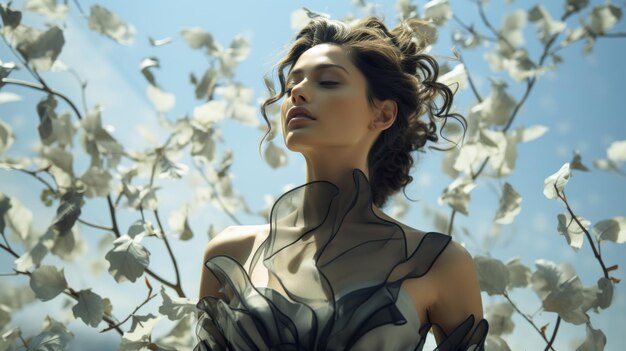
{"x": 335, "y": 271}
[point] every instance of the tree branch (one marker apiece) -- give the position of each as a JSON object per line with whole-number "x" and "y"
{"x": 527, "y": 319}
{"x": 597, "y": 255}
{"x": 178, "y": 288}
{"x": 556, "y": 328}
{"x": 44, "y": 88}
{"x": 217, "y": 197}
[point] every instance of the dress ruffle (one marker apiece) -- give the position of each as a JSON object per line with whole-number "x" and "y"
{"x": 335, "y": 271}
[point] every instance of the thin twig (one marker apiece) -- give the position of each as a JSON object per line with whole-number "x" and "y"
{"x": 470, "y": 80}
{"x": 75, "y": 295}
{"x": 44, "y": 88}
{"x": 481, "y": 11}
{"x": 34, "y": 174}
{"x": 118, "y": 234}
{"x": 556, "y": 328}
{"x": 526, "y": 317}
{"x": 613, "y": 35}
{"x": 178, "y": 288}
{"x": 148, "y": 298}
{"x": 97, "y": 226}
{"x": 472, "y": 30}
{"x": 562, "y": 196}
{"x": 217, "y": 196}
{"x": 9, "y": 250}
{"x": 82, "y": 89}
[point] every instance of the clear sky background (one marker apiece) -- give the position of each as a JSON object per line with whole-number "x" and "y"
{"x": 580, "y": 103}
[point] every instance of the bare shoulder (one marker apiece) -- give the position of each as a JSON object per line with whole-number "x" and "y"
{"x": 458, "y": 290}
{"x": 232, "y": 241}
{"x": 455, "y": 256}
{"x": 235, "y": 242}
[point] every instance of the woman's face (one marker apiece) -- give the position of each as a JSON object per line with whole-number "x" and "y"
{"x": 333, "y": 90}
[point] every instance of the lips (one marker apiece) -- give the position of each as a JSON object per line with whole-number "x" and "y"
{"x": 298, "y": 112}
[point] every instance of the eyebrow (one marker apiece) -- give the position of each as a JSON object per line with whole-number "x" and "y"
{"x": 317, "y": 68}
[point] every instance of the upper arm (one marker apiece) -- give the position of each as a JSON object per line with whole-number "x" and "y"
{"x": 233, "y": 241}
{"x": 458, "y": 292}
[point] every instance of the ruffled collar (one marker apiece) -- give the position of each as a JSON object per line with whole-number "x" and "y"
{"x": 324, "y": 244}
{"x": 335, "y": 271}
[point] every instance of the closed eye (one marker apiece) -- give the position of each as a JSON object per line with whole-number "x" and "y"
{"x": 325, "y": 83}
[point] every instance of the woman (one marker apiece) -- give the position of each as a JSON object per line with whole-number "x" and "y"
{"x": 336, "y": 273}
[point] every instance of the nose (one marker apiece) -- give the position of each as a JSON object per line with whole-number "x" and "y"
{"x": 298, "y": 93}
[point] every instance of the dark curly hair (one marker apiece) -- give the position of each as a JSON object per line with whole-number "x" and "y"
{"x": 394, "y": 67}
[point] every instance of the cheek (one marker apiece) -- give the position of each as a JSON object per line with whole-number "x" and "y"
{"x": 349, "y": 108}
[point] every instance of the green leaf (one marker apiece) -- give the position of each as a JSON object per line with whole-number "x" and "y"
{"x": 546, "y": 25}
{"x": 9, "y": 339}
{"x": 604, "y": 17}
{"x": 573, "y": 233}
{"x": 497, "y": 107}
{"x": 576, "y": 162}
{"x": 97, "y": 141}
{"x": 37, "y": 252}
{"x": 613, "y": 229}
{"x": 144, "y": 196}
{"x": 275, "y": 156}
{"x": 604, "y": 293}
{"x": 204, "y": 88}
{"x": 109, "y": 24}
{"x": 16, "y": 297}
{"x": 495, "y": 342}
{"x": 178, "y": 221}
{"x": 127, "y": 260}
{"x": 546, "y": 278}
{"x": 42, "y": 50}
{"x": 493, "y": 275}
{"x": 179, "y": 338}
{"x": 159, "y": 42}
{"x": 6, "y": 137}
{"x": 5, "y": 318}
{"x": 594, "y": 341}
{"x": 145, "y": 66}
{"x": 90, "y": 308}
{"x": 176, "y": 308}
{"x": 509, "y": 205}
{"x": 519, "y": 274}
{"x": 48, "y": 8}
{"x": 97, "y": 182}
{"x": 198, "y": 38}
{"x": 438, "y": 11}
{"x": 5, "y": 205}
{"x": 575, "y": 5}
{"x": 68, "y": 212}
{"x": 10, "y": 17}
{"x": 161, "y": 100}
{"x": 567, "y": 301}
{"x": 560, "y": 179}
{"x": 141, "y": 328}
{"x": 456, "y": 195}
{"x": 47, "y": 341}
{"x": 500, "y": 321}
{"x": 47, "y": 282}
{"x": 301, "y": 17}
{"x": 513, "y": 27}
{"x": 141, "y": 228}
{"x": 171, "y": 170}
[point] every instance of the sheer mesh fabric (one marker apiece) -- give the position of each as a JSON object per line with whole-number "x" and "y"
{"x": 335, "y": 271}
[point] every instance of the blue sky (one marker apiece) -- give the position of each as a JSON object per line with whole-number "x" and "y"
{"x": 579, "y": 103}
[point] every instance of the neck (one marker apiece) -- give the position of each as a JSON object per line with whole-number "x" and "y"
{"x": 337, "y": 170}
